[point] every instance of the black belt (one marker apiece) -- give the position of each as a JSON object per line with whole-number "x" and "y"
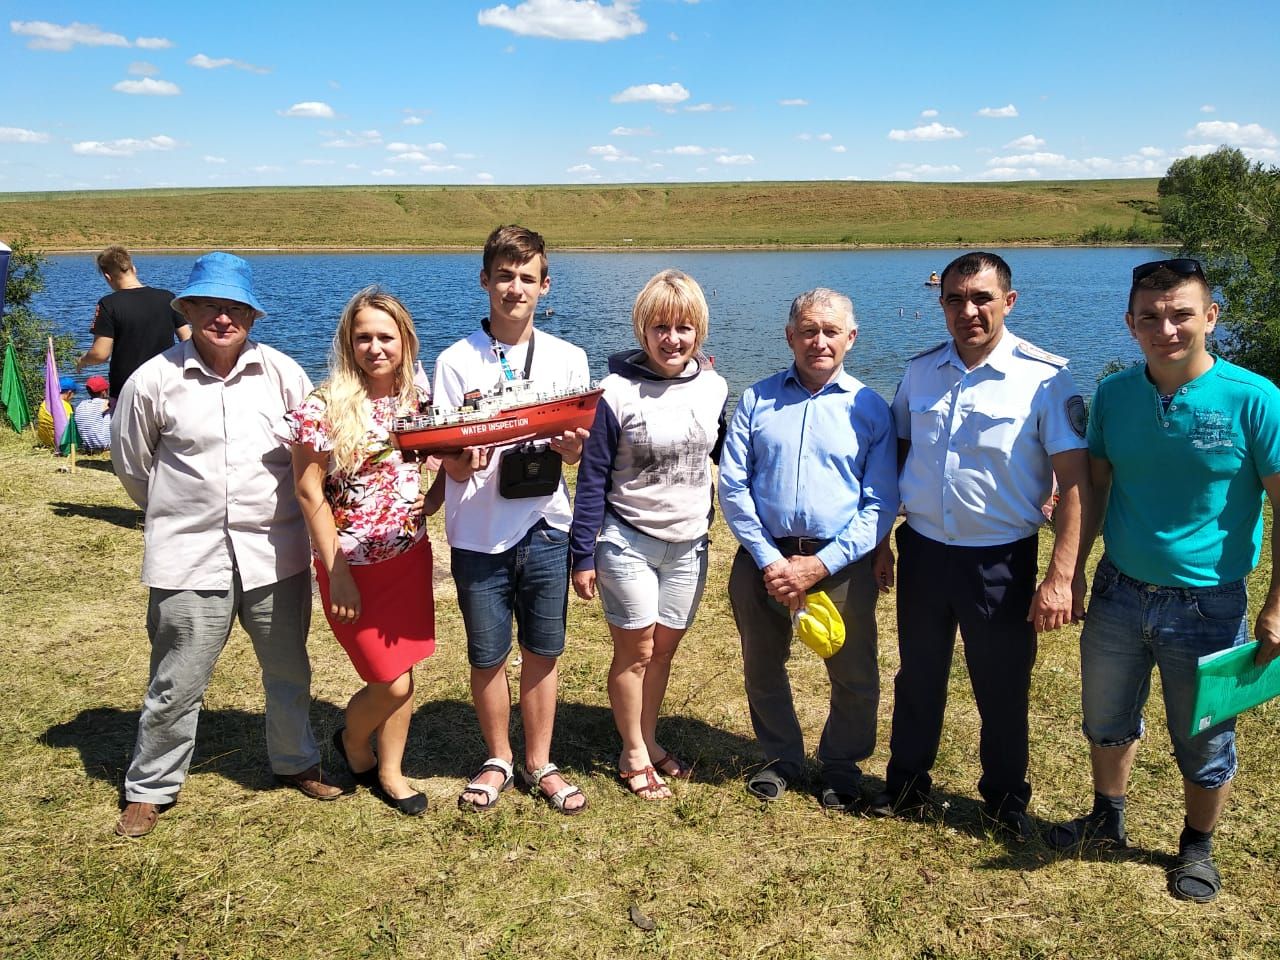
{"x": 800, "y": 546}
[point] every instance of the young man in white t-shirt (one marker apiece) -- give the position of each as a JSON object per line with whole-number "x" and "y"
{"x": 510, "y": 554}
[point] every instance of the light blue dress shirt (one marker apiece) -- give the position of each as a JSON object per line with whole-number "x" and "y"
{"x": 979, "y": 471}
{"x": 821, "y": 465}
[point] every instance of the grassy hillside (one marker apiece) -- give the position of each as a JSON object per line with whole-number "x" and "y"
{"x": 676, "y": 215}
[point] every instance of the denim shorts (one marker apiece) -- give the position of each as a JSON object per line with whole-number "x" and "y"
{"x": 529, "y": 581}
{"x": 643, "y": 580}
{"x": 1133, "y": 626}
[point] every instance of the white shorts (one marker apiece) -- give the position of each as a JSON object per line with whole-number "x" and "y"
{"x": 643, "y": 580}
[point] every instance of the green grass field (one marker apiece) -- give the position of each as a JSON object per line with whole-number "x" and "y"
{"x": 642, "y": 215}
{"x": 240, "y": 868}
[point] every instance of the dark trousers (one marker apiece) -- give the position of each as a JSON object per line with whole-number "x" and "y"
{"x": 986, "y": 591}
{"x": 764, "y": 625}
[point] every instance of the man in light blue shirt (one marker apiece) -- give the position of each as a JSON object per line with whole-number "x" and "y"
{"x": 808, "y": 485}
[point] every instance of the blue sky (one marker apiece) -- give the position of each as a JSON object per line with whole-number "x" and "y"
{"x": 577, "y": 91}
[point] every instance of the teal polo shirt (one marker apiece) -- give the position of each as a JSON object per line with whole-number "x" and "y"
{"x": 1186, "y": 487}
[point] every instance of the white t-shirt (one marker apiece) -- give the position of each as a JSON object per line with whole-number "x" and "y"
{"x": 477, "y": 517}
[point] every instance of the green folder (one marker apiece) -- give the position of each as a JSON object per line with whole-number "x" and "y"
{"x": 1227, "y": 683}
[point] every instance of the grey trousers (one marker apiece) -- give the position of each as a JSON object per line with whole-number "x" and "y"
{"x": 765, "y": 628}
{"x": 188, "y": 629}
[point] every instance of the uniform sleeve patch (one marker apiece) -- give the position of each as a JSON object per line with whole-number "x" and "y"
{"x": 1077, "y": 415}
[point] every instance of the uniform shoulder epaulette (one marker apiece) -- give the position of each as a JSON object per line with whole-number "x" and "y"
{"x": 1032, "y": 352}
{"x": 928, "y": 350}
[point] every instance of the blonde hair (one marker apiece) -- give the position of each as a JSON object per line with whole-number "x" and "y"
{"x": 671, "y": 296}
{"x": 346, "y": 394}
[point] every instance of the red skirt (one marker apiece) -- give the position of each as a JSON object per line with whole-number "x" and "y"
{"x": 397, "y": 625}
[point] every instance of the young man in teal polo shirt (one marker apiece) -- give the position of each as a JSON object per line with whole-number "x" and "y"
{"x": 1182, "y": 449}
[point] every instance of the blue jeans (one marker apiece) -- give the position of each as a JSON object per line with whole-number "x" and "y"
{"x": 529, "y": 580}
{"x": 1131, "y": 627}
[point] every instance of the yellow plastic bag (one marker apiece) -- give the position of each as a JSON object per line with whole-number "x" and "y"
{"x": 819, "y": 624}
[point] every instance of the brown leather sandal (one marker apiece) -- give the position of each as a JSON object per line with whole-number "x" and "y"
{"x": 651, "y": 786}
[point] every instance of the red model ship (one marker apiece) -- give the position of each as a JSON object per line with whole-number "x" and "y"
{"x": 513, "y": 413}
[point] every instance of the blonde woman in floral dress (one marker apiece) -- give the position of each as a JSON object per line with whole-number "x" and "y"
{"x": 363, "y": 508}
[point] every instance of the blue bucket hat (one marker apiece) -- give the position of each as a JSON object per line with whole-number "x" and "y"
{"x": 225, "y": 276}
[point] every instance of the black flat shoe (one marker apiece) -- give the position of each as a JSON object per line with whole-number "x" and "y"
{"x": 414, "y": 805}
{"x": 366, "y": 778}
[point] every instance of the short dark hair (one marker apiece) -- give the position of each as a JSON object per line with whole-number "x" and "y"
{"x": 1163, "y": 278}
{"x": 515, "y": 244}
{"x": 115, "y": 260}
{"x": 972, "y": 264}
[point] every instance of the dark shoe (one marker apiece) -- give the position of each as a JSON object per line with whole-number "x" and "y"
{"x": 906, "y": 803}
{"x": 414, "y": 805}
{"x": 313, "y": 782}
{"x": 767, "y": 785}
{"x": 837, "y": 801}
{"x": 1011, "y": 824}
{"x": 366, "y": 778}
{"x": 138, "y": 818}
{"x": 1100, "y": 831}
{"x": 1195, "y": 878}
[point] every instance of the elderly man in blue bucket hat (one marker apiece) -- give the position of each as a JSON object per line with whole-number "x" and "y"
{"x": 194, "y": 442}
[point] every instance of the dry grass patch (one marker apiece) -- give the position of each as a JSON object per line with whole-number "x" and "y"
{"x": 240, "y": 868}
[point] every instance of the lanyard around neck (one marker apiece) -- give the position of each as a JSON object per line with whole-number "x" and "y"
{"x": 502, "y": 354}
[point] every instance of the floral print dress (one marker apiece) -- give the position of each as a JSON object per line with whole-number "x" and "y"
{"x": 372, "y": 507}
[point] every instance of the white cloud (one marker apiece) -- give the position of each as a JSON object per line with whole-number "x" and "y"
{"x": 409, "y": 156}
{"x": 1009, "y": 110}
{"x": 652, "y": 92}
{"x": 1039, "y": 159}
{"x": 267, "y": 168}
{"x": 700, "y": 108}
{"x": 930, "y": 131}
{"x": 484, "y": 177}
{"x": 910, "y": 171}
{"x": 217, "y": 63}
{"x": 1150, "y": 152}
{"x": 997, "y": 173}
{"x": 384, "y": 172}
{"x": 126, "y": 147}
{"x": 1208, "y": 108}
{"x": 1236, "y": 134}
{"x": 794, "y": 102}
{"x": 690, "y": 150}
{"x": 735, "y": 159}
{"x": 1029, "y": 142}
{"x": 19, "y": 135}
{"x": 580, "y": 168}
{"x": 804, "y": 136}
{"x": 309, "y": 108}
{"x": 631, "y": 132}
{"x": 208, "y": 158}
{"x": 397, "y": 146}
{"x": 148, "y": 87}
{"x": 824, "y": 137}
{"x": 413, "y": 121}
{"x": 839, "y": 148}
{"x": 140, "y": 68}
{"x": 52, "y": 36}
{"x": 351, "y": 139}
{"x": 611, "y": 154}
{"x": 153, "y": 43}
{"x": 566, "y": 19}
{"x": 928, "y": 114}
{"x": 438, "y": 167}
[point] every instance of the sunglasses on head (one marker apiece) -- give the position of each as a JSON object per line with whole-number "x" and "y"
{"x": 1183, "y": 266}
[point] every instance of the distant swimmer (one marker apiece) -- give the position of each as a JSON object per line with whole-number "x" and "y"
{"x": 934, "y": 280}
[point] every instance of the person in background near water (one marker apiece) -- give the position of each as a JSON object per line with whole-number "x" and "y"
{"x": 132, "y": 323}
{"x": 510, "y": 555}
{"x": 93, "y": 417}
{"x": 44, "y": 416}
{"x": 1182, "y": 449}
{"x": 368, "y": 535}
{"x": 642, "y": 509}
{"x": 808, "y": 485}
{"x": 984, "y": 420}
{"x": 195, "y": 442}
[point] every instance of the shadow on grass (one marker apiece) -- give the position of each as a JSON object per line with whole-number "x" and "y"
{"x": 127, "y": 517}
{"x": 101, "y": 465}
{"x": 444, "y": 741}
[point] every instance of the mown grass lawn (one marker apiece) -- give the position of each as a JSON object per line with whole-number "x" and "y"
{"x": 240, "y": 868}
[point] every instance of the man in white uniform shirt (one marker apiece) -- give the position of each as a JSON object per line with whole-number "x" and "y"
{"x": 193, "y": 440}
{"x": 510, "y": 542}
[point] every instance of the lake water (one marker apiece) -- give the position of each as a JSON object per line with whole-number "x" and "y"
{"x": 1071, "y": 301}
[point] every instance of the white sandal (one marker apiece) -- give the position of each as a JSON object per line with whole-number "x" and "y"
{"x": 492, "y": 765}
{"x": 532, "y": 781}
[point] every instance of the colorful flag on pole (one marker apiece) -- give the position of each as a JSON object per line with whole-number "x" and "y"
{"x": 13, "y": 396}
{"x": 5, "y": 253}
{"x": 53, "y": 399}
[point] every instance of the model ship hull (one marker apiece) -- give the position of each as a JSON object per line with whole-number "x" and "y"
{"x": 417, "y": 437}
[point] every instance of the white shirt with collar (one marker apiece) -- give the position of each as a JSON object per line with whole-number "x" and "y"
{"x": 978, "y": 471}
{"x": 202, "y": 456}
